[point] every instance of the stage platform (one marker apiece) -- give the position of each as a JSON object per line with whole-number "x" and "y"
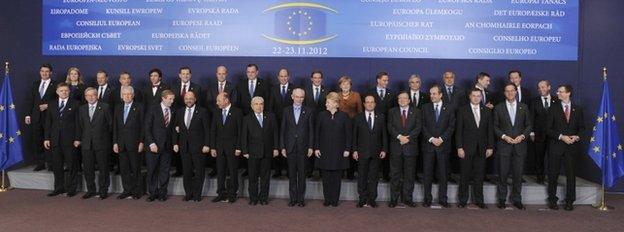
{"x": 532, "y": 193}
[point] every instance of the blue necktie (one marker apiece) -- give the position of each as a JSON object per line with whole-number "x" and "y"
{"x": 259, "y": 116}
{"x": 297, "y": 114}
{"x": 251, "y": 88}
{"x": 437, "y": 112}
{"x": 62, "y": 108}
{"x": 283, "y": 91}
{"x": 126, "y": 111}
{"x": 317, "y": 94}
{"x": 224, "y": 116}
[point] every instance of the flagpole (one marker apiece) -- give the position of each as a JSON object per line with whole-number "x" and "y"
{"x": 602, "y": 206}
{"x": 3, "y": 187}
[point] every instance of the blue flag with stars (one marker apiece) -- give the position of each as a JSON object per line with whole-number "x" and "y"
{"x": 605, "y": 147}
{"x": 10, "y": 135}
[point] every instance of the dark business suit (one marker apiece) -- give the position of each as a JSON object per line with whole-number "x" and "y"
{"x": 190, "y": 141}
{"x": 383, "y": 106}
{"x": 442, "y": 127}
{"x": 369, "y": 143}
{"x": 510, "y": 155}
{"x": 403, "y": 157}
{"x": 539, "y": 117}
{"x": 474, "y": 140}
{"x": 60, "y": 130}
{"x": 332, "y": 137}
{"x": 559, "y": 151}
{"x": 115, "y": 96}
{"x": 107, "y": 97}
{"x": 296, "y": 137}
{"x": 225, "y": 139}
{"x": 526, "y": 96}
{"x": 178, "y": 103}
{"x": 149, "y": 98}
{"x": 37, "y": 118}
{"x": 160, "y": 133}
{"x": 276, "y": 105}
{"x": 456, "y": 98}
{"x": 95, "y": 139}
{"x": 211, "y": 104}
{"x": 317, "y": 105}
{"x": 244, "y": 98}
{"x": 259, "y": 142}
{"x": 423, "y": 98}
{"x": 128, "y": 135}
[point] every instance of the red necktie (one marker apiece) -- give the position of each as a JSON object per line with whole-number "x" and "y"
{"x": 404, "y": 118}
{"x": 567, "y": 113}
{"x": 183, "y": 90}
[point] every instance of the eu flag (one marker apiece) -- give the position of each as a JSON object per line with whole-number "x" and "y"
{"x": 605, "y": 147}
{"x": 300, "y": 23}
{"x": 10, "y": 135}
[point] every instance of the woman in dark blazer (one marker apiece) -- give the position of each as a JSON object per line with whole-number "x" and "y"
{"x": 76, "y": 85}
{"x": 332, "y": 147}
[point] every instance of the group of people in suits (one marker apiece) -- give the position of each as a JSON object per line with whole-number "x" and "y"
{"x": 301, "y": 129}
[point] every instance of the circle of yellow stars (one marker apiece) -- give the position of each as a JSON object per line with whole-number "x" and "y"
{"x": 599, "y": 120}
{"x": 11, "y": 139}
{"x": 303, "y": 13}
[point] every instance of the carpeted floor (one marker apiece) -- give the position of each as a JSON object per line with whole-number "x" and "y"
{"x": 31, "y": 210}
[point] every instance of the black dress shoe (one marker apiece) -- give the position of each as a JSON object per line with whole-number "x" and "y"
{"x": 197, "y": 199}
{"x": 568, "y": 207}
{"x": 426, "y": 204}
{"x": 253, "y": 202}
{"x": 136, "y": 196}
{"x": 326, "y": 203}
{"x": 519, "y": 205}
{"x": 218, "y": 199}
{"x": 392, "y": 204}
{"x": 301, "y": 204}
{"x": 410, "y": 204}
{"x": 55, "y": 193}
{"x": 501, "y": 205}
{"x": 187, "y": 198}
{"x": 71, "y": 194}
{"x": 444, "y": 204}
{"x": 39, "y": 167}
{"x": 373, "y": 204}
{"x": 264, "y": 202}
{"x": 461, "y": 205}
{"x": 123, "y": 196}
{"x": 361, "y": 204}
{"x": 553, "y": 205}
{"x": 232, "y": 200}
{"x": 481, "y": 206}
{"x": 88, "y": 195}
{"x": 162, "y": 198}
{"x": 291, "y": 203}
{"x": 103, "y": 196}
{"x": 151, "y": 198}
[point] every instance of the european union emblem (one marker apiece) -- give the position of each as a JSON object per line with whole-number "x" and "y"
{"x": 300, "y": 23}
{"x": 605, "y": 147}
{"x": 10, "y": 135}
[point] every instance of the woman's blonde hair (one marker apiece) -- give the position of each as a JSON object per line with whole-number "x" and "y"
{"x": 68, "y": 81}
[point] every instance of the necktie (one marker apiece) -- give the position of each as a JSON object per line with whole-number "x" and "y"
{"x": 404, "y": 118}
{"x": 259, "y": 117}
{"x": 100, "y": 92}
{"x": 477, "y": 115}
{"x": 251, "y": 88}
{"x": 317, "y": 94}
{"x": 167, "y": 117}
{"x": 42, "y": 89}
{"x": 220, "y": 87}
{"x": 283, "y": 91}
{"x": 449, "y": 90}
{"x": 126, "y": 111}
{"x": 381, "y": 94}
{"x": 512, "y": 113}
{"x": 437, "y": 112}
{"x": 519, "y": 94}
{"x": 187, "y": 120}
{"x": 415, "y": 99}
{"x": 483, "y": 95}
{"x": 62, "y": 108}
{"x": 546, "y": 103}
{"x": 370, "y": 121}
{"x": 91, "y": 112}
{"x": 183, "y": 90}
{"x": 297, "y": 114}
{"x": 224, "y": 115}
{"x": 567, "y": 112}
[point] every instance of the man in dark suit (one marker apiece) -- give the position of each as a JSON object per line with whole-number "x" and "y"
{"x": 191, "y": 141}
{"x": 105, "y": 91}
{"x": 482, "y": 83}
{"x": 512, "y": 126}
{"x": 41, "y": 92}
{"x": 296, "y": 142}
{"x": 474, "y": 137}
{"x": 128, "y": 142}
{"x": 385, "y": 100}
{"x": 417, "y": 98}
{"x": 159, "y": 136}
{"x": 452, "y": 94}
{"x": 94, "y": 131}
{"x": 370, "y": 143}
{"x": 152, "y": 92}
{"x": 220, "y": 85}
{"x": 224, "y": 138}
{"x": 524, "y": 94}
{"x": 539, "y": 115}
{"x": 180, "y": 88}
{"x": 438, "y": 127}
{"x": 315, "y": 96}
{"x": 126, "y": 80}
{"x": 280, "y": 98}
{"x": 404, "y": 126}
{"x": 259, "y": 144}
{"x": 565, "y": 127}
{"x": 251, "y": 87}
{"x": 60, "y": 134}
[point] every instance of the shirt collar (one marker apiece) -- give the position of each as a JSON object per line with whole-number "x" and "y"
{"x": 404, "y": 108}
{"x": 227, "y": 108}
{"x": 163, "y": 106}
{"x": 192, "y": 108}
{"x": 472, "y": 106}
{"x": 94, "y": 104}
{"x": 128, "y": 104}
{"x": 60, "y": 99}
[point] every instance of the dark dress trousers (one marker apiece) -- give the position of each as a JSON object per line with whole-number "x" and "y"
{"x": 128, "y": 134}
{"x": 277, "y": 104}
{"x": 37, "y": 117}
{"x": 474, "y": 140}
{"x": 225, "y": 139}
{"x": 296, "y": 137}
{"x": 539, "y": 116}
{"x": 95, "y": 139}
{"x": 60, "y": 130}
{"x": 159, "y": 132}
{"x": 511, "y": 156}
{"x": 403, "y": 157}
{"x": 560, "y": 152}
{"x": 244, "y": 98}
{"x": 333, "y": 136}
{"x": 149, "y": 98}
{"x": 443, "y": 127}
{"x": 383, "y": 106}
{"x": 259, "y": 141}
{"x": 369, "y": 142}
{"x": 190, "y": 140}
